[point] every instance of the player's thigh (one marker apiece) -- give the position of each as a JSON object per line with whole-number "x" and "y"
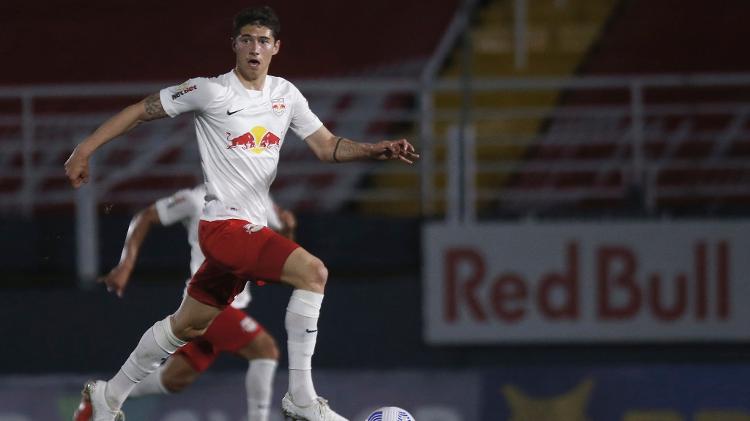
{"x": 214, "y": 285}
{"x": 244, "y": 252}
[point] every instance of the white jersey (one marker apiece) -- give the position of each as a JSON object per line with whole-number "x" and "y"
{"x": 240, "y": 133}
{"x": 186, "y": 206}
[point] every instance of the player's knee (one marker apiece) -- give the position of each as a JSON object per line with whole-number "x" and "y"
{"x": 315, "y": 275}
{"x": 262, "y": 346}
{"x": 267, "y": 348}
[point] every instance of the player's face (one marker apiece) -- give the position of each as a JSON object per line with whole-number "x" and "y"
{"x": 254, "y": 47}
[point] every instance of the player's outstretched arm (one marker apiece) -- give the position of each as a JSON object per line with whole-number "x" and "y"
{"x": 77, "y": 165}
{"x": 117, "y": 279}
{"x": 330, "y": 148}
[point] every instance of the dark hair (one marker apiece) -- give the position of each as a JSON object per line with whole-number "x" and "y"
{"x": 258, "y": 15}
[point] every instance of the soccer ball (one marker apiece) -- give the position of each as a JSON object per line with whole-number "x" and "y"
{"x": 390, "y": 413}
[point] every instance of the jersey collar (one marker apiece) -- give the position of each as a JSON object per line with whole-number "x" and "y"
{"x": 265, "y": 92}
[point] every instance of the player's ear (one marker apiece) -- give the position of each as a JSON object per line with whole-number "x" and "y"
{"x": 276, "y": 46}
{"x": 234, "y": 44}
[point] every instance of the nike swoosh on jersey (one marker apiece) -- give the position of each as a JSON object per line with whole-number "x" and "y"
{"x": 235, "y": 111}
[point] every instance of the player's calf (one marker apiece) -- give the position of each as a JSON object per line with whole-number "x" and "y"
{"x": 177, "y": 374}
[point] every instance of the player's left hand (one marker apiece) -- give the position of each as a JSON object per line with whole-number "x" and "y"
{"x": 117, "y": 279}
{"x": 400, "y": 150}
{"x": 77, "y": 168}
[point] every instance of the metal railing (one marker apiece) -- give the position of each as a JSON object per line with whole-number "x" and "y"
{"x": 693, "y": 122}
{"x": 33, "y": 145}
{"x": 666, "y": 138}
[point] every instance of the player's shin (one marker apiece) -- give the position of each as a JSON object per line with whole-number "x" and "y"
{"x": 259, "y": 387}
{"x": 158, "y": 343}
{"x": 302, "y": 332}
{"x": 151, "y": 385}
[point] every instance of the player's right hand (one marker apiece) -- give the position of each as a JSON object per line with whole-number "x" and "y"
{"x": 77, "y": 168}
{"x": 400, "y": 150}
{"x": 117, "y": 279}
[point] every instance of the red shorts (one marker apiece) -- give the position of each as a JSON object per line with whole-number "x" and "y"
{"x": 235, "y": 255}
{"x": 230, "y": 331}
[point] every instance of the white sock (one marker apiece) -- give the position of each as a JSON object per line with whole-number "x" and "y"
{"x": 155, "y": 345}
{"x": 151, "y": 385}
{"x": 302, "y": 331}
{"x": 259, "y": 387}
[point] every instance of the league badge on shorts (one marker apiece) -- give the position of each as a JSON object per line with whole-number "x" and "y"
{"x": 277, "y": 105}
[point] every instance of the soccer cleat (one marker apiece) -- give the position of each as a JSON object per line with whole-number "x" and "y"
{"x": 318, "y": 410}
{"x": 93, "y": 406}
{"x": 84, "y": 410}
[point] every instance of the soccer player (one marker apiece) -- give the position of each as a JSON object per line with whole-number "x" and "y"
{"x": 233, "y": 331}
{"x": 241, "y": 118}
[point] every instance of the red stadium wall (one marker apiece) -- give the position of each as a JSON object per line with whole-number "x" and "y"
{"x": 673, "y": 36}
{"x": 119, "y": 40}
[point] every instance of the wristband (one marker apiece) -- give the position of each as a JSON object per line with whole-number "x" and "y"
{"x": 336, "y": 148}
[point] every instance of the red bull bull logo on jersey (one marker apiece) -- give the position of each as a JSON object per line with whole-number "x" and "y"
{"x": 277, "y": 105}
{"x": 257, "y": 140}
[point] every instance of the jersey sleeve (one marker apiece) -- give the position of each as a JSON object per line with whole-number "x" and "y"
{"x": 175, "y": 208}
{"x": 193, "y": 95}
{"x": 304, "y": 122}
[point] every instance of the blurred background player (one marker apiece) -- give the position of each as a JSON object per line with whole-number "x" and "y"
{"x": 233, "y": 331}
